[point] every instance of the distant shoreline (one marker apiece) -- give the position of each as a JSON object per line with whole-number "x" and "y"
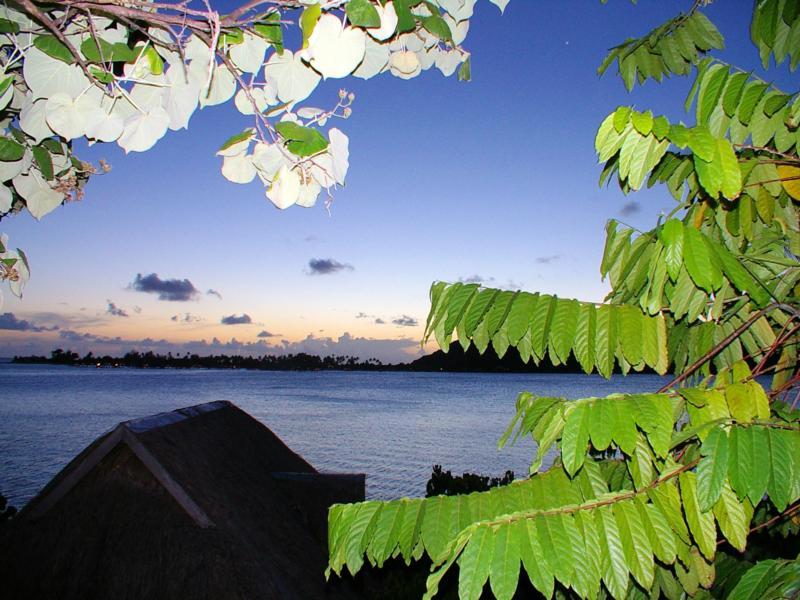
{"x": 456, "y": 361}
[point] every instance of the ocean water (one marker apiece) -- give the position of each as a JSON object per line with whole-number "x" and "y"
{"x": 393, "y": 426}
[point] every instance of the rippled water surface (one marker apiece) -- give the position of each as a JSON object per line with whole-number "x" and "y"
{"x": 392, "y": 426}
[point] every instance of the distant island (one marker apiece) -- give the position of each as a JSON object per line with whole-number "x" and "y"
{"x": 456, "y": 360}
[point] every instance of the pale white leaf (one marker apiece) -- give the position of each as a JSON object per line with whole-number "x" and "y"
{"x": 249, "y": 55}
{"x": 23, "y": 275}
{"x": 321, "y": 169}
{"x": 222, "y": 87}
{"x": 105, "y": 127}
{"x": 409, "y": 41}
{"x": 238, "y": 168}
{"x": 9, "y": 170}
{"x": 294, "y": 81}
{"x": 404, "y": 64}
{"x": 70, "y": 118}
{"x": 6, "y": 197}
{"x": 39, "y": 197}
{"x": 180, "y": 99}
{"x": 459, "y": 29}
{"x": 143, "y": 130}
{"x": 285, "y": 188}
{"x": 339, "y": 150}
{"x": 268, "y": 159}
{"x": 335, "y": 50}
{"x": 46, "y": 76}
{"x": 459, "y": 9}
{"x": 32, "y": 119}
{"x": 195, "y": 48}
{"x": 501, "y": 4}
{"x": 309, "y": 112}
{"x": 7, "y": 96}
{"x": 244, "y": 104}
{"x": 376, "y": 57}
{"x": 447, "y": 62}
{"x": 427, "y": 58}
{"x": 150, "y": 92}
{"x": 388, "y": 22}
{"x": 308, "y": 194}
{"x": 119, "y": 35}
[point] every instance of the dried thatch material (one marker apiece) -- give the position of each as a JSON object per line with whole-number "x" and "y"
{"x": 204, "y": 502}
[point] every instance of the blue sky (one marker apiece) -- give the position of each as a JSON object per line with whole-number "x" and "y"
{"x": 494, "y": 179}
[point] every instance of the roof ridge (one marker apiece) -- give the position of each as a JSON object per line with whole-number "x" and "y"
{"x": 156, "y": 421}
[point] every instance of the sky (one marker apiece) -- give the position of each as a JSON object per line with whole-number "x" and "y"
{"x": 493, "y": 181}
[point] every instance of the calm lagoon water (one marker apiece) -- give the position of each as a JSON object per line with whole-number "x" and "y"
{"x": 392, "y": 426}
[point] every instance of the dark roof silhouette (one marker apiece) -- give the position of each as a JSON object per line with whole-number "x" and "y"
{"x": 201, "y": 502}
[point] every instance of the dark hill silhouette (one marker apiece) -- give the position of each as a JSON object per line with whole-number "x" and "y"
{"x": 472, "y": 361}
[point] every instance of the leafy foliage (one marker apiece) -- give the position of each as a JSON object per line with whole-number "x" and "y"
{"x": 659, "y": 494}
{"x": 108, "y": 72}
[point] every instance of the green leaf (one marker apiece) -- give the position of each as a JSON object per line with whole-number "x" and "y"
{"x": 477, "y": 309}
{"x": 437, "y": 26}
{"x": 661, "y": 536}
{"x": 10, "y": 150}
{"x": 600, "y": 423}
{"x": 300, "y": 140}
{"x": 606, "y": 339}
{"x": 505, "y": 563}
{"x": 562, "y": 330}
{"x": 51, "y": 46}
{"x": 308, "y": 21}
{"x": 44, "y": 161}
{"x": 701, "y": 523}
{"x": 247, "y": 134}
{"x": 555, "y": 542}
{"x": 519, "y": 317}
{"x": 623, "y": 426}
{"x": 635, "y": 543}
{"x": 712, "y": 470}
{"x": 405, "y": 18}
{"x": 413, "y": 514}
{"x": 751, "y": 96}
{"x": 358, "y": 533}
{"x": 436, "y": 524}
{"x": 475, "y": 563}
{"x": 7, "y": 26}
{"x": 702, "y": 266}
{"x": 741, "y": 461}
{"x": 98, "y": 50}
{"x": 465, "y": 70}
{"x": 583, "y": 347}
{"x": 667, "y": 500}
{"x": 752, "y": 583}
{"x": 575, "y": 438}
{"x": 362, "y": 13}
{"x": 387, "y": 531}
{"x": 541, "y": 319}
{"x": 702, "y": 143}
{"x": 458, "y": 302}
{"x": 531, "y": 554}
{"x": 733, "y": 518}
{"x": 612, "y": 555}
{"x": 671, "y": 235}
{"x": 710, "y": 91}
{"x": 784, "y": 453}
{"x": 631, "y": 326}
{"x": 269, "y": 28}
{"x": 731, "y": 175}
{"x": 642, "y": 122}
{"x": 733, "y": 93}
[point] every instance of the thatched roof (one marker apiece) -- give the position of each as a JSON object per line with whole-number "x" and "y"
{"x": 202, "y": 502}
